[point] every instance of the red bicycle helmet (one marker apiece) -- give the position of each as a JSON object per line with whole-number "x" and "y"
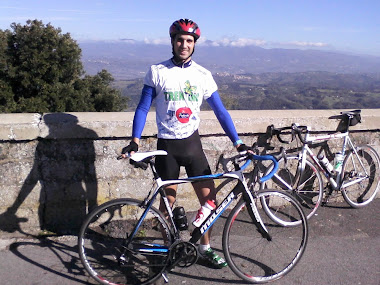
{"x": 185, "y": 26}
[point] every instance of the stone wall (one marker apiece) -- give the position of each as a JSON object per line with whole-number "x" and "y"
{"x": 56, "y": 166}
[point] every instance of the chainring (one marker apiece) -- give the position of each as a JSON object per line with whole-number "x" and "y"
{"x": 183, "y": 254}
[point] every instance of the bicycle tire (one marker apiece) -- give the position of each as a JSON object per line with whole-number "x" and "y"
{"x": 102, "y": 238}
{"x": 360, "y": 194}
{"x": 250, "y": 255}
{"x": 305, "y": 187}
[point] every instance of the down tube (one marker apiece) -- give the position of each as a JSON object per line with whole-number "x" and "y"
{"x": 206, "y": 225}
{"x": 129, "y": 239}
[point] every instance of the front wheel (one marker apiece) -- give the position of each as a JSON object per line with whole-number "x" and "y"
{"x": 305, "y": 186}
{"x": 360, "y": 172}
{"x": 252, "y": 256}
{"x": 103, "y": 249}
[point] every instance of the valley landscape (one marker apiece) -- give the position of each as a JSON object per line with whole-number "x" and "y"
{"x": 252, "y": 78}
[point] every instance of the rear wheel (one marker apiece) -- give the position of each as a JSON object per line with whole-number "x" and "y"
{"x": 361, "y": 176}
{"x": 103, "y": 249}
{"x": 253, "y": 257}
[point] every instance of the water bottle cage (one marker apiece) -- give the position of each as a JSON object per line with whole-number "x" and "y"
{"x": 180, "y": 219}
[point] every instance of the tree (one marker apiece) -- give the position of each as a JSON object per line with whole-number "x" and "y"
{"x": 41, "y": 71}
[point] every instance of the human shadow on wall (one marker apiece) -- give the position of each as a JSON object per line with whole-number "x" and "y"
{"x": 64, "y": 166}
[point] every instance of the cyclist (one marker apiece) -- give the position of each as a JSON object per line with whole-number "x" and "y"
{"x": 178, "y": 86}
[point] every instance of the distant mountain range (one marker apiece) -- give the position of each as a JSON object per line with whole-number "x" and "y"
{"x": 131, "y": 60}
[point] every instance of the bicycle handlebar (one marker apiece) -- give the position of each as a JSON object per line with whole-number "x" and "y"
{"x": 272, "y": 131}
{"x": 294, "y": 130}
{"x": 274, "y": 169}
{"x": 252, "y": 156}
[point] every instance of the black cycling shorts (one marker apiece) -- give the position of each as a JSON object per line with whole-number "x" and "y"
{"x": 186, "y": 152}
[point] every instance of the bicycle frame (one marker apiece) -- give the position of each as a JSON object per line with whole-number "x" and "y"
{"x": 240, "y": 188}
{"x": 336, "y": 183}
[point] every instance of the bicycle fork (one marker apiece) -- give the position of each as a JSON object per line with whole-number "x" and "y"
{"x": 252, "y": 209}
{"x": 254, "y": 213}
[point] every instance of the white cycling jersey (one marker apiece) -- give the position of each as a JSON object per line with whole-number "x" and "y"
{"x": 180, "y": 91}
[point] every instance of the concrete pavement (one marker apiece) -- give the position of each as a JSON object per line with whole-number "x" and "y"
{"x": 343, "y": 248}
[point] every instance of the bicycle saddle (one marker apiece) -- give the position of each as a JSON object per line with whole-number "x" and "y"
{"x": 140, "y": 156}
{"x": 353, "y": 112}
{"x": 342, "y": 114}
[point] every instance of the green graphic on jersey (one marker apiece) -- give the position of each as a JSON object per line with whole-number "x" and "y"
{"x": 189, "y": 90}
{"x": 189, "y": 94}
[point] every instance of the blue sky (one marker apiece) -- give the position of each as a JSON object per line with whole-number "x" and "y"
{"x": 344, "y": 25}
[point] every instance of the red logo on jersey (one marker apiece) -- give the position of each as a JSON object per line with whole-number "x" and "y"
{"x": 183, "y": 114}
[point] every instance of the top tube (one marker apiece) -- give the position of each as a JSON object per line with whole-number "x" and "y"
{"x": 322, "y": 137}
{"x": 246, "y": 164}
{"x": 139, "y": 156}
{"x": 304, "y": 136}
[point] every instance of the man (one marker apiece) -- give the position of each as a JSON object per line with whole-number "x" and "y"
{"x": 178, "y": 86}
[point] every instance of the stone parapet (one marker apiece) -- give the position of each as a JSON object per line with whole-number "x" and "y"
{"x": 56, "y": 166}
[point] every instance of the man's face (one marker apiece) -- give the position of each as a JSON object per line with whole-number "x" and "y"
{"x": 183, "y": 46}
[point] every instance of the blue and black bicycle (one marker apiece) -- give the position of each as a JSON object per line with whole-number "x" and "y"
{"x": 128, "y": 241}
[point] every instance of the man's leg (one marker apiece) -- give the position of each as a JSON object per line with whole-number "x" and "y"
{"x": 171, "y": 194}
{"x": 205, "y": 190}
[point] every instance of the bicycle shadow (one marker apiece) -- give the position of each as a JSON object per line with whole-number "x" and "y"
{"x": 64, "y": 168}
{"x": 58, "y": 259}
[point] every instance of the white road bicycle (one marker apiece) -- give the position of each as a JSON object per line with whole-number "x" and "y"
{"x": 357, "y": 177}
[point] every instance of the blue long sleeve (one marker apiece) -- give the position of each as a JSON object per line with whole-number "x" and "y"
{"x": 147, "y": 95}
{"x": 223, "y": 116}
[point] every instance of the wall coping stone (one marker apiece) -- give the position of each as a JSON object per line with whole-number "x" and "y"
{"x": 31, "y": 126}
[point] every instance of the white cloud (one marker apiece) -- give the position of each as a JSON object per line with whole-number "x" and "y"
{"x": 159, "y": 41}
{"x": 303, "y": 44}
{"x": 248, "y": 42}
{"x": 241, "y": 42}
